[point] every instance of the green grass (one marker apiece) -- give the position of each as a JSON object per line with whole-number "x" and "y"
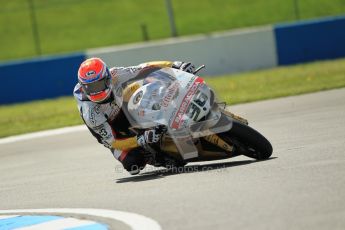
{"x": 38, "y": 115}
{"x": 280, "y": 82}
{"x": 239, "y": 88}
{"x": 74, "y": 25}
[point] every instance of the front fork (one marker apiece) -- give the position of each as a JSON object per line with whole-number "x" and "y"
{"x": 233, "y": 116}
{"x": 217, "y": 140}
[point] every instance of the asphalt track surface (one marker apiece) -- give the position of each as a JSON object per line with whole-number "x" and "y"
{"x": 301, "y": 187}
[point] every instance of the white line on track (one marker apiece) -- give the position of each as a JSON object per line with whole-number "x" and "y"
{"x": 47, "y": 133}
{"x": 135, "y": 221}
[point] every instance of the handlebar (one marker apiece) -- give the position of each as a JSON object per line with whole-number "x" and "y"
{"x": 199, "y": 68}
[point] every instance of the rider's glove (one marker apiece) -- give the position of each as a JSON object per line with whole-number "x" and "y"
{"x": 149, "y": 137}
{"x": 184, "y": 66}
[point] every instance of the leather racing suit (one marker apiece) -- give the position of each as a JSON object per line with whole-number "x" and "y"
{"x": 108, "y": 123}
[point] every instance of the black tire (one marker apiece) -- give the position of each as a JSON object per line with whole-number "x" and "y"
{"x": 249, "y": 142}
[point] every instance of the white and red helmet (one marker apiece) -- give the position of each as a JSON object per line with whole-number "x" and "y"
{"x": 95, "y": 79}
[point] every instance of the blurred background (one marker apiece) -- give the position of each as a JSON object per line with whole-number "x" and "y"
{"x": 31, "y": 28}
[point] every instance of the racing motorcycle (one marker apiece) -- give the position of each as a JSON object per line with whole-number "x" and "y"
{"x": 194, "y": 125}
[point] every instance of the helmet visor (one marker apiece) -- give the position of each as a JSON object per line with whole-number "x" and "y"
{"x": 97, "y": 86}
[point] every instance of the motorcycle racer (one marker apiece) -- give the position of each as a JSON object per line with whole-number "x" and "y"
{"x": 100, "y": 93}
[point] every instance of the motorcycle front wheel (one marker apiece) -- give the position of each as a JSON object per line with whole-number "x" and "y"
{"x": 247, "y": 141}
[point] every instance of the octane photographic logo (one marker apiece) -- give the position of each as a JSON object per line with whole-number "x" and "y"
{"x": 168, "y": 170}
